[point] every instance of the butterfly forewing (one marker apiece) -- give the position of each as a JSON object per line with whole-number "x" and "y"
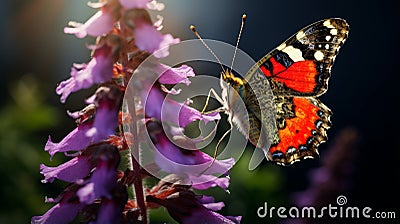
{"x": 301, "y": 66}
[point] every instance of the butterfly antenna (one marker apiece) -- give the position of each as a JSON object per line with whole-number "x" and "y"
{"x": 193, "y": 29}
{"x": 238, "y": 40}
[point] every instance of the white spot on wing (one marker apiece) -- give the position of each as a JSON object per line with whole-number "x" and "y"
{"x": 319, "y": 56}
{"x": 328, "y": 38}
{"x": 328, "y": 24}
{"x": 281, "y": 47}
{"x": 334, "y": 58}
{"x": 300, "y": 35}
{"x": 327, "y": 46}
{"x": 333, "y": 32}
{"x": 291, "y": 150}
{"x": 294, "y": 53}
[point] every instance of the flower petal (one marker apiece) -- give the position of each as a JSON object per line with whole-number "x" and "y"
{"x": 87, "y": 194}
{"x": 148, "y": 38}
{"x": 154, "y": 5}
{"x": 98, "y": 70}
{"x": 208, "y": 216}
{"x": 71, "y": 171}
{"x": 74, "y": 141}
{"x": 104, "y": 177}
{"x": 185, "y": 207}
{"x": 171, "y": 111}
{"x": 163, "y": 49}
{"x": 105, "y": 122}
{"x": 107, "y": 99}
{"x": 63, "y": 212}
{"x": 130, "y": 4}
{"x": 99, "y": 24}
{"x": 192, "y": 166}
{"x": 175, "y": 75}
{"x": 101, "y": 183}
{"x": 109, "y": 212}
{"x": 209, "y": 181}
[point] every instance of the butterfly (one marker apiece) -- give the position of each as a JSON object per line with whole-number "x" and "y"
{"x": 283, "y": 115}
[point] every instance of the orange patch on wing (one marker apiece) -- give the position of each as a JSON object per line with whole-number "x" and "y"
{"x": 300, "y": 76}
{"x": 297, "y": 129}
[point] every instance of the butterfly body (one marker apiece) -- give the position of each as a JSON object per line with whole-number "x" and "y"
{"x": 280, "y": 92}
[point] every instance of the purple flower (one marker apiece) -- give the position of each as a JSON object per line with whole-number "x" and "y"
{"x": 106, "y": 101}
{"x": 110, "y": 210}
{"x": 190, "y": 164}
{"x": 99, "y": 69}
{"x": 186, "y": 207}
{"x": 209, "y": 202}
{"x": 97, "y": 191}
{"x": 148, "y": 38}
{"x": 99, "y": 24}
{"x": 171, "y": 111}
{"x": 167, "y": 109}
{"x": 210, "y": 213}
{"x": 154, "y": 5}
{"x": 174, "y": 75}
{"x": 204, "y": 215}
{"x": 104, "y": 177}
{"x": 130, "y": 4}
{"x": 104, "y": 124}
{"x": 63, "y": 212}
{"x": 71, "y": 171}
{"x": 209, "y": 181}
{"x": 76, "y": 140}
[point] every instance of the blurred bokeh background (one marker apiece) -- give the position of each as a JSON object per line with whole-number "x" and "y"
{"x": 360, "y": 160}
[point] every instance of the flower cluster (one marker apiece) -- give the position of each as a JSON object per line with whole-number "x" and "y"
{"x": 99, "y": 182}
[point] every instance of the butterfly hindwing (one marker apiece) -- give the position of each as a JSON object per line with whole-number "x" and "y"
{"x": 302, "y": 123}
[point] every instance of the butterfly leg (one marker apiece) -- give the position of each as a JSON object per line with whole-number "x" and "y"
{"x": 219, "y": 142}
{"x": 217, "y": 97}
{"x": 216, "y": 150}
{"x": 218, "y": 110}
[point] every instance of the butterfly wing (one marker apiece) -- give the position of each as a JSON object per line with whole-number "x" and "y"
{"x": 301, "y": 66}
{"x": 298, "y": 71}
{"x": 302, "y": 123}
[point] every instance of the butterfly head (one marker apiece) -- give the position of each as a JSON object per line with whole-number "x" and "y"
{"x": 231, "y": 80}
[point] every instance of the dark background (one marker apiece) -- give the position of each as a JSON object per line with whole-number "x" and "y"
{"x": 363, "y": 90}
